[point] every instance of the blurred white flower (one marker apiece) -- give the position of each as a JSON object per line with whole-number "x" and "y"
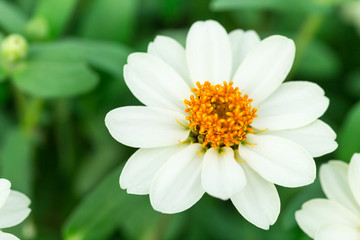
{"x": 14, "y": 208}
{"x": 219, "y": 119}
{"x": 338, "y": 217}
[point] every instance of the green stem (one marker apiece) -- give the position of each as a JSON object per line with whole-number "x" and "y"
{"x": 20, "y": 102}
{"x": 65, "y": 138}
{"x": 32, "y": 116}
{"x": 28, "y": 109}
{"x": 29, "y": 112}
{"x": 305, "y": 36}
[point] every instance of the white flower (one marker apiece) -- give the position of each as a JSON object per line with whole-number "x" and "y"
{"x": 13, "y": 208}
{"x": 240, "y": 128}
{"x": 338, "y": 217}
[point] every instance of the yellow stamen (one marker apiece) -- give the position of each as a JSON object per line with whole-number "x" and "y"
{"x": 181, "y": 123}
{"x": 181, "y": 143}
{"x": 201, "y": 152}
{"x": 261, "y": 131}
{"x": 251, "y": 144}
{"x": 239, "y": 160}
{"x": 219, "y": 115}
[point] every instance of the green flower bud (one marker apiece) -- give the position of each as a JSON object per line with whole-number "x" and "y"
{"x": 13, "y": 49}
{"x": 37, "y": 29}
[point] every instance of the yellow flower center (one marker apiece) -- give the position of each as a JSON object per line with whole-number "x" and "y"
{"x": 219, "y": 115}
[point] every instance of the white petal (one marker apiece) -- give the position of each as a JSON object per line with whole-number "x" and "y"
{"x": 334, "y": 182}
{"x": 293, "y": 105}
{"x": 241, "y": 44}
{"x": 155, "y": 83}
{"x": 258, "y": 202}
{"x": 265, "y": 67}
{"x": 172, "y": 53}
{"x": 317, "y": 137}
{"x": 177, "y": 185}
{"x": 221, "y": 175}
{"x": 279, "y": 160}
{"x": 15, "y": 210}
{"x": 4, "y": 190}
{"x": 318, "y": 213}
{"x": 146, "y": 127}
{"x": 140, "y": 169}
{"x": 354, "y": 176}
{"x": 7, "y": 236}
{"x": 208, "y": 53}
{"x": 338, "y": 232}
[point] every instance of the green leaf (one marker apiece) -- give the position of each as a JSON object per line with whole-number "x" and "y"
{"x": 352, "y": 84}
{"x": 15, "y": 161}
{"x": 106, "y": 56}
{"x": 54, "y": 52}
{"x": 3, "y": 75}
{"x": 349, "y": 135}
{"x": 287, "y": 219}
{"x": 142, "y": 221}
{"x": 103, "y": 156}
{"x": 177, "y": 34}
{"x": 2, "y": 72}
{"x": 319, "y": 61}
{"x": 53, "y": 74}
{"x": 56, "y": 13}
{"x": 101, "y": 212}
{"x": 4, "y": 96}
{"x": 109, "y": 20}
{"x": 275, "y": 5}
{"x": 26, "y": 5}
{"x": 11, "y": 18}
{"x": 55, "y": 79}
{"x": 5, "y": 125}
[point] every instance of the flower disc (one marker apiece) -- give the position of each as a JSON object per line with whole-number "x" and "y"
{"x": 219, "y": 115}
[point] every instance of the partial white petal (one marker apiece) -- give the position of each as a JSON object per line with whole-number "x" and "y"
{"x": 221, "y": 175}
{"x": 258, "y": 202}
{"x": 140, "y": 169}
{"x": 334, "y": 182}
{"x": 354, "y": 176}
{"x": 146, "y": 127}
{"x": 208, "y": 53}
{"x": 279, "y": 160}
{"x": 318, "y": 213}
{"x": 7, "y": 236}
{"x": 4, "y": 190}
{"x": 155, "y": 83}
{"x": 172, "y": 53}
{"x": 338, "y": 232}
{"x": 317, "y": 137}
{"x": 177, "y": 185}
{"x": 293, "y": 105}
{"x": 15, "y": 210}
{"x": 241, "y": 44}
{"x": 265, "y": 67}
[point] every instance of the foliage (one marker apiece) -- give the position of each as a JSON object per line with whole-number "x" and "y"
{"x": 54, "y": 145}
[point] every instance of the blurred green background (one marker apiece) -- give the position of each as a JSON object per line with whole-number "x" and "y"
{"x": 55, "y": 147}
